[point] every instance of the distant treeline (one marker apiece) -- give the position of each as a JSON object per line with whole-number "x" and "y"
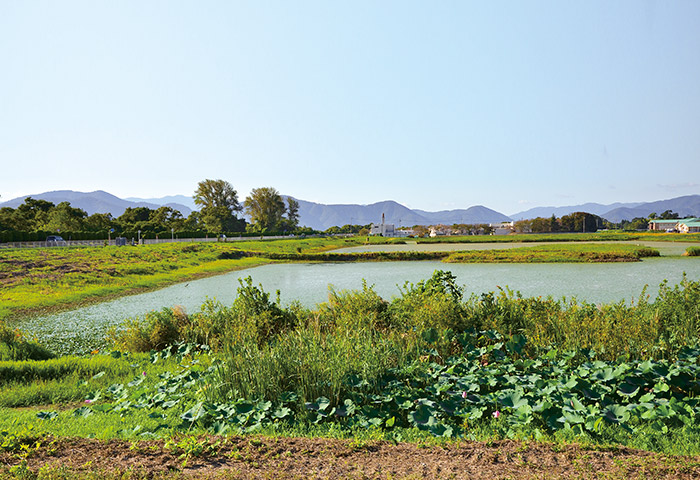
{"x": 34, "y": 220}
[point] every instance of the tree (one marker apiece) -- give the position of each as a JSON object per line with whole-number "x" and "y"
{"x": 668, "y": 215}
{"x": 580, "y": 222}
{"x": 292, "y": 213}
{"x": 266, "y": 209}
{"x": 165, "y": 217}
{"x": 134, "y": 215}
{"x": 66, "y": 218}
{"x": 33, "y": 214}
{"x": 99, "y": 222}
{"x": 523, "y": 226}
{"x": 219, "y": 202}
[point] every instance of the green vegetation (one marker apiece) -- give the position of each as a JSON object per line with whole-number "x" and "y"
{"x": 14, "y": 346}
{"x": 266, "y": 209}
{"x": 605, "y": 236}
{"x": 557, "y": 253}
{"x": 693, "y": 251}
{"x": 428, "y": 363}
{"x": 38, "y": 279}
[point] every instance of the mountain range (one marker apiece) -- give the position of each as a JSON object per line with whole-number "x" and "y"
{"x": 686, "y": 206}
{"x": 321, "y": 216}
{"x": 98, "y": 202}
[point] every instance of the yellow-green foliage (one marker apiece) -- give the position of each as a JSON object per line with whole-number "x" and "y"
{"x": 35, "y": 279}
{"x": 350, "y": 310}
{"x": 14, "y": 346}
{"x": 557, "y": 253}
{"x": 253, "y": 315}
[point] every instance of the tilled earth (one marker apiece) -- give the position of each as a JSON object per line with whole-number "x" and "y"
{"x": 302, "y": 458}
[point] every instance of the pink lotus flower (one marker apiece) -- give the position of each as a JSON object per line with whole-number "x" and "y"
{"x": 464, "y": 394}
{"x": 496, "y": 414}
{"x": 88, "y": 401}
{"x": 144, "y": 374}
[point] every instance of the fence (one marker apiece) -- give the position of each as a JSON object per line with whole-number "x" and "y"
{"x": 133, "y": 241}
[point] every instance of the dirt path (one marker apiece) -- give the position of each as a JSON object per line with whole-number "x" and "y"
{"x": 292, "y": 458}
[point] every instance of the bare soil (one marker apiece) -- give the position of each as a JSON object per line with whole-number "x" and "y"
{"x": 302, "y": 458}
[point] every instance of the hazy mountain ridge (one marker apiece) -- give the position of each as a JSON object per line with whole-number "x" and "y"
{"x": 92, "y": 202}
{"x": 315, "y": 215}
{"x": 169, "y": 201}
{"x": 321, "y": 216}
{"x": 594, "y": 208}
{"x": 685, "y": 206}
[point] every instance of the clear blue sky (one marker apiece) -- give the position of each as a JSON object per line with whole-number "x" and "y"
{"x": 437, "y": 105}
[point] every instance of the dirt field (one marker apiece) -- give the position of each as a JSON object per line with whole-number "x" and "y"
{"x": 299, "y": 458}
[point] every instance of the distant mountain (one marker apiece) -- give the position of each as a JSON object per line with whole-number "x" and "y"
{"x": 91, "y": 202}
{"x": 473, "y": 215}
{"x": 321, "y": 217}
{"x": 183, "y": 202}
{"x": 687, "y": 206}
{"x": 594, "y": 208}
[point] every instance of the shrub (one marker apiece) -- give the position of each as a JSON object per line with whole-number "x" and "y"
{"x": 432, "y": 303}
{"x": 353, "y": 310}
{"x": 693, "y": 251}
{"x": 14, "y": 346}
{"x": 252, "y": 314}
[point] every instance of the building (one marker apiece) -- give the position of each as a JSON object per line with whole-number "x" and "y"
{"x": 658, "y": 224}
{"x": 383, "y": 229}
{"x": 503, "y": 228}
{"x": 689, "y": 225}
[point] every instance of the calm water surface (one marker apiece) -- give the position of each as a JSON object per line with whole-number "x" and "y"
{"x": 77, "y": 330}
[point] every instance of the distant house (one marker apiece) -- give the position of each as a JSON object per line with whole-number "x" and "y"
{"x": 663, "y": 225}
{"x": 438, "y": 231}
{"x": 689, "y": 225}
{"x": 503, "y": 228}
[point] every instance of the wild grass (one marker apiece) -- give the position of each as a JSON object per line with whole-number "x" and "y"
{"x": 70, "y": 379}
{"x": 40, "y": 279}
{"x": 15, "y": 346}
{"x": 556, "y": 254}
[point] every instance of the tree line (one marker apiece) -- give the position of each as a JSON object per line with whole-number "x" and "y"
{"x": 585, "y": 222}
{"x": 574, "y": 222}
{"x": 220, "y": 213}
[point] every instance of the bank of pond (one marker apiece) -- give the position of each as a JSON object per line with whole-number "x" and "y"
{"x": 431, "y": 361}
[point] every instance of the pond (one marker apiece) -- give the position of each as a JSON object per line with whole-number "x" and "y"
{"x": 82, "y": 329}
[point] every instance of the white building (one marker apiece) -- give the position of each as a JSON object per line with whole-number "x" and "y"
{"x": 383, "y": 229}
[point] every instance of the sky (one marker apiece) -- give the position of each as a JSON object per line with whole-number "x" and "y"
{"x": 437, "y": 105}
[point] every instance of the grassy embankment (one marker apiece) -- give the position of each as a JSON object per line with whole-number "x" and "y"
{"x": 556, "y": 254}
{"x": 606, "y": 236}
{"x": 44, "y": 279}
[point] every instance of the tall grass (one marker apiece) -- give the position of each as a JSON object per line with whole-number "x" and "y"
{"x": 15, "y": 346}
{"x": 267, "y": 350}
